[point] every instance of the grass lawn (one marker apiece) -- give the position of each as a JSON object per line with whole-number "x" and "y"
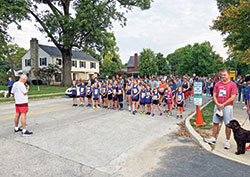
{"x": 207, "y": 114}
{"x": 32, "y": 97}
{"x": 44, "y": 89}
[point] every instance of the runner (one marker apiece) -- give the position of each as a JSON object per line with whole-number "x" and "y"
{"x": 128, "y": 91}
{"x": 162, "y": 87}
{"x": 82, "y": 89}
{"x": 155, "y": 99}
{"x": 120, "y": 95}
{"x": 135, "y": 96}
{"x": 89, "y": 93}
{"x": 110, "y": 96}
{"x": 74, "y": 93}
{"x": 104, "y": 95}
{"x": 186, "y": 91}
{"x": 114, "y": 90}
{"x": 148, "y": 99}
{"x": 168, "y": 101}
{"x": 180, "y": 102}
{"x": 142, "y": 99}
{"x": 95, "y": 91}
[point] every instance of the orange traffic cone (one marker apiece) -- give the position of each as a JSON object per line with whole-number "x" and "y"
{"x": 183, "y": 108}
{"x": 199, "y": 119}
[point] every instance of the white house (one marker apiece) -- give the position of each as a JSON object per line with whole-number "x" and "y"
{"x": 83, "y": 65}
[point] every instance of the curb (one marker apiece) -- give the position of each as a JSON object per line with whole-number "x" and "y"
{"x": 193, "y": 134}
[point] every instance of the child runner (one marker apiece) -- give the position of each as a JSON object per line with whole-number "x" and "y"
{"x": 82, "y": 94}
{"x": 95, "y": 91}
{"x": 148, "y": 99}
{"x": 128, "y": 91}
{"x": 135, "y": 96}
{"x": 89, "y": 93}
{"x": 110, "y": 97}
{"x": 104, "y": 94}
{"x": 247, "y": 99}
{"x": 168, "y": 100}
{"x": 142, "y": 99}
{"x": 180, "y": 100}
{"x": 155, "y": 99}
{"x": 115, "y": 88}
{"x": 74, "y": 93}
{"x": 162, "y": 87}
{"x": 120, "y": 95}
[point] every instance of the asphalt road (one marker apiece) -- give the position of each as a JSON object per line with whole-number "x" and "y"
{"x": 79, "y": 141}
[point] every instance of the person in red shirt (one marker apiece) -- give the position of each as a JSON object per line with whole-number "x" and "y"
{"x": 225, "y": 93}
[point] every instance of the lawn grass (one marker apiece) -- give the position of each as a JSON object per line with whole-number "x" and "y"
{"x": 44, "y": 89}
{"x": 207, "y": 114}
{"x": 32, "y": 97}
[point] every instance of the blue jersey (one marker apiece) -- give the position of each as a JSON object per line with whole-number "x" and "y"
{"x": 88, "y": 89}
{"x": 179, "y": 96}
{"x": 74, "y": 92}
{"x": 148, "y": 97}
{"x": 110, "y": 91}
{"x": 135, "y": 91}
{"x": 104, "y": 89}
{"x": 129, "y": 85}
{"x": 95, "y": 92}
{"x": 155, "y": 95}
{"x": 115, "y": 90}
{"x": 82, "y": 90}
{"x": 143, "y": 96}
{"x": 119, "y": 90}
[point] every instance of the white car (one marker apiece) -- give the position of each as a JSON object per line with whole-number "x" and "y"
{"x": 68, "y": 92}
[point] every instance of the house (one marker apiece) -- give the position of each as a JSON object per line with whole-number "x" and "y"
{"x": 17, "y": 72}
{"x": 133, "y": 63}
{"x": 83, "y": 65}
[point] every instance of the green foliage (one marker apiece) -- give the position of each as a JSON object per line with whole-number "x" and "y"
{"x": 16, "y": 53}
{"x": 111, "y": 65}
{"x": 235, "y": 24}
{"x": 199, "y": 59}
{"x": 147, "y": 63}
{"x": 161, "y": 64}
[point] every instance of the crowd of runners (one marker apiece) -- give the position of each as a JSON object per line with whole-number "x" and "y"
{"x": 141, "y": 94}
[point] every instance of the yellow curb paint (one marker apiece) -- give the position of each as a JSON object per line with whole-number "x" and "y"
{"x": 38, "y": 112}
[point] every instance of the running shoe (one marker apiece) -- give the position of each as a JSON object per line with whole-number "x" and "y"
{"x": 133, "y": 112}
{"x": 27, "y": 133}
{"x": 97, "y": 106}
{"x": 153, "y": 115}
{"x": 160, "y": 114}
{"x": 177, "y": 117}
{"x": 19, "y": 130}
{"x": 227, "y": 144}
{"x": 248, "y": 148}
{"x": 210, "y": 141}
{"x": 93, "y": 107}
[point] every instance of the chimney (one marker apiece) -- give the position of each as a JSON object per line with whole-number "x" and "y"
{"x": 135, "y": 62}
{"x": 34, "y": 54}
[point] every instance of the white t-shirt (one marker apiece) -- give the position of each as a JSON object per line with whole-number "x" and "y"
{"x": 19, "y": 91}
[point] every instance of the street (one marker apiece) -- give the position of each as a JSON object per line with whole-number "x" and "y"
{"x": 71, "y": 141}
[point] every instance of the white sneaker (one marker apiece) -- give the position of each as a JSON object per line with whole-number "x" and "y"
{"x": 237, "y": 101}
{"x": 210, "y": 141}
{"x": 227, "y": 144}
{"x": 244, "y": 108}
{"x": 243, "y": 102}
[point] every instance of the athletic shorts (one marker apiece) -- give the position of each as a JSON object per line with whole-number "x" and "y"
{"x": 180, "y": 105}
{"x": 89, "y": 96}
{"x": 148, "y": 102}
{"x": 156, "y": 102}
{"x": 227, "y": 115}
{"x": 135, "y": 99}
{"x": 105, "y": 96}
{"x": 82, "y": 96}
{"x": 110, "y": 97}
{"x": 120, "y": 98}
{"x": 74, "y": 96}
{"x": 142, "y": 103}
{"x": 128, "y": 93}
{"x": 95, "y": 99}
{"x": 168, "y": 102}
{"x": 161, "y": 93}
{"x": 22, "y": 108}
{"x": 187, "y": 93}
{"x": 115, "y": 98}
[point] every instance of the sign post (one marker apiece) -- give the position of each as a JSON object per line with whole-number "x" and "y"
{"x": 198, "y": 103}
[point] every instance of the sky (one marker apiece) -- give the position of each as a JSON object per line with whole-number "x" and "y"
{"x": 165, "y": 27}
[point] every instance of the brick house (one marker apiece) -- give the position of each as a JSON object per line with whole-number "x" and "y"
{"x": 133, "y": 63}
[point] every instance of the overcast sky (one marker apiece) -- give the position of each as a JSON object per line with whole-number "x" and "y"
{"x": 165, "y": 27}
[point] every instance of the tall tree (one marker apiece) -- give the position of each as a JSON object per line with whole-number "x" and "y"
{"x": 84, "y": 24}
{"x": 234, "y": 22}
{"x": 199, "y": 59}
{"x": 161, "y": 64}
{"x": 147, "y": 64}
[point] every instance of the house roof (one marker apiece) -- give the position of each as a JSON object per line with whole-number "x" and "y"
{"x": 131, "y": 62}
{"x": 55, "y": 52}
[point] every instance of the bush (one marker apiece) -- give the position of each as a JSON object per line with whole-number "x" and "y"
{"x": 1, "y": 95}
{"x": 3, "y": 78}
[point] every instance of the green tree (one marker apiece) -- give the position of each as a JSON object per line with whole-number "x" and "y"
{"x": 87, "y": 27}
{"x": 235, "y": 24}
{"x": 111, "y": 64}
{"x": 161, "y": 64}
{"x": 147, "y": 63}
{"x": 16, "y": 53}
{"x": 199, "y": 59}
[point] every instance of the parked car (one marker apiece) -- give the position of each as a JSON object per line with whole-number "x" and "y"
{"x": 68, "y": 92}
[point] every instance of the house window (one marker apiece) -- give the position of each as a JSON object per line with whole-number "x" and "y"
{"x": 43, "y": 61}
{"x": 59, "y": 62}
{"x": 27, "y": 62}
{"x": 58, "y": 77}
{"x": 92, "y": 65}
{"x": 82, "y": 64}
{"x": 74, "y": 63}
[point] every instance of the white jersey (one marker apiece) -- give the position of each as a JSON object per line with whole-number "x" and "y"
{"x": 19, "y": 91}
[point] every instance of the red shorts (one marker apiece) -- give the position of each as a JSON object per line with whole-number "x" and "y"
{"x": 22, "y": 108}
{"x": 187, "y": 93}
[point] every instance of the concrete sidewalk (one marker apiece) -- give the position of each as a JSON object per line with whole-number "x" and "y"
{"x": 241, "y": 116}
{"x": 218, "y": 149}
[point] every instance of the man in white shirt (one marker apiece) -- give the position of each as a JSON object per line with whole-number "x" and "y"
{"x": 20, "y": 92}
